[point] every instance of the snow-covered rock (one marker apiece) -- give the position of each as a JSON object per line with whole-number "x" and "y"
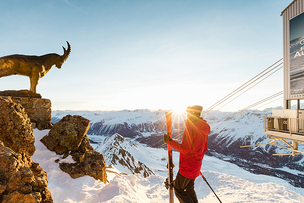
{"x": 116, "y": 150}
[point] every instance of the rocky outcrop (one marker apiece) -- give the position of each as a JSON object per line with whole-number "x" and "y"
{"x": 68, "y": 137}
{"x": 92, "y": 165}
{"x": 37, "y": 108}
{"x": 15, "y": 127}
{"x": 21, "y": 180}
{"x": 20, "y": 93}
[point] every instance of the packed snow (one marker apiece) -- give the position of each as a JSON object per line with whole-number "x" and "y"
{"x": 231, "y": 183}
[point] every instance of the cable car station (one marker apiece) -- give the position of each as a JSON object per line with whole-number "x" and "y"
{"x": 285, "y": 127}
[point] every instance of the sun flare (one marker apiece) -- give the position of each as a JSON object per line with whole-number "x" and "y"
{"x": 179, "y": 109}
{"x": 179, "y": 113}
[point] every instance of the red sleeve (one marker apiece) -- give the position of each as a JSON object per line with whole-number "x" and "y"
{"x": 186, "y": 144}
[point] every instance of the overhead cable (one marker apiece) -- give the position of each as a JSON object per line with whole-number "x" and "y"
{"x": 252, "y": 86}
{"x": 280, "y": 98}
{"x": 251, "y": 81}
{"x": 263, "y": 100}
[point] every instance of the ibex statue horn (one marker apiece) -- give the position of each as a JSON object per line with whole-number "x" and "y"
{"x": 66, "y": 52}
{"x": 35, "y": 67}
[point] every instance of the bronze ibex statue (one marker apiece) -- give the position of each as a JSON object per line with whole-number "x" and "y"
{"x": 35, "y": 67}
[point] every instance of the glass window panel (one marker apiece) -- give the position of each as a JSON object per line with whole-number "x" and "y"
{"x": 294, "y": 104}
{"x": 301, "y": 103}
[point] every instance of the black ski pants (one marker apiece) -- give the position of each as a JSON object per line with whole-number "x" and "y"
{"x": 184, "y": 189}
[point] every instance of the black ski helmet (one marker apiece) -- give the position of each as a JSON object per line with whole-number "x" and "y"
{"x": 195, "y": 110}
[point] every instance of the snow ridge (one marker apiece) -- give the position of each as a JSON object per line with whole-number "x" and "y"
{"x": 115, "y": 151}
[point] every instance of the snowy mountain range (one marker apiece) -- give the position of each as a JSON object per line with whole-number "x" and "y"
{"x": 229, "y": 131}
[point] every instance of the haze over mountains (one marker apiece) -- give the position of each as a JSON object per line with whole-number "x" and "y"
{"x": 229, "y": 131}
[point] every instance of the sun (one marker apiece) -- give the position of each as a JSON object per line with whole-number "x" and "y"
{"x": 179, "y": 112}
{"x": 179, "y": 109}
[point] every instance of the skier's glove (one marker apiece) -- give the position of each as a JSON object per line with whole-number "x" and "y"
{"x": 167, "y": 137}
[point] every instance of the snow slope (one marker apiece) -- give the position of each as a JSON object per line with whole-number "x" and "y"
{"x": 231, "y": 183}
{"x": 234, "y": 130}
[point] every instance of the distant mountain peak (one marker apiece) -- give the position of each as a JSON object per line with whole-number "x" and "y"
{"x": 117, "y": 140}
{"x": 116, "y": 137}
{"x": 116, "y": 150}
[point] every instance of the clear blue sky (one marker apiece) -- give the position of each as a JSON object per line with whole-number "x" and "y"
{"x": 146, "y": 54}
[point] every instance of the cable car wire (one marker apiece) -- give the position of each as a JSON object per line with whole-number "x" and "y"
{"x": 251, "y": 81}
{"x": 251, "y": 87}
{"x": 263, "y": 100}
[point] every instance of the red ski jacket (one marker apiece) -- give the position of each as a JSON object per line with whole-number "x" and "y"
{"x": 193, "y": 147}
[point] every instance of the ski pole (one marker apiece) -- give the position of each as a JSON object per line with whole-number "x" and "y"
{"x": 210, "y": 186}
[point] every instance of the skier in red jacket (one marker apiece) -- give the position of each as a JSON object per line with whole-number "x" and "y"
{"x": 192, "y": 149}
